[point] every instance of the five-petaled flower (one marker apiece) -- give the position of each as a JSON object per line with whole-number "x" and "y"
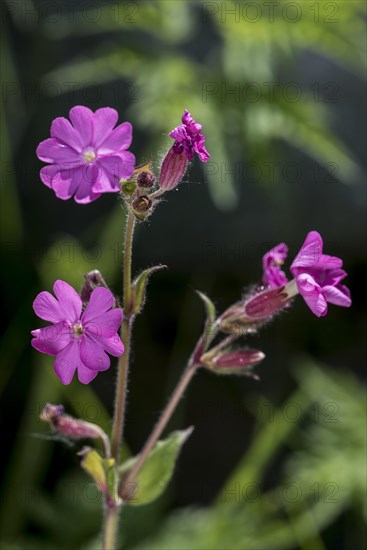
{"x": 189, "y": 139}
{"x": 318, "y": 276}
{"x": 88, "y": 156}
{"x": 79, "y": 339}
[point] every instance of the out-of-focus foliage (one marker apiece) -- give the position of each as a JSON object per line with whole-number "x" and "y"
{"x": 324, "y": 475}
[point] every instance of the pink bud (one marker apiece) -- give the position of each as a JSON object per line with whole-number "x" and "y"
{"x": 72, "y": 427}
{"x": 173, "y": 169}
{"x": 238, "y": 359}
{"x": 265, "y": 304}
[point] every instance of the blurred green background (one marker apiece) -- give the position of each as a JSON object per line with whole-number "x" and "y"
{"x": 280, "y": 90}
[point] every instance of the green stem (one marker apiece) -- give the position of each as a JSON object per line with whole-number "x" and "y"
{"x": 162, "y": 422}
{"x": 123, "y": 366}
{"x": 110, "y": 528}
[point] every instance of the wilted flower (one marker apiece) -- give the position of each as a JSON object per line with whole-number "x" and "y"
{"x": 273, "y": 276}
{"x": 78, "y": 340}
{"x": 88, "y": 156}
{"x": 188, "y": 138}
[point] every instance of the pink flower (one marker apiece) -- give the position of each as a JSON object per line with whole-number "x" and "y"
{"x": 188, "y": 138}
{"x": 88, "y": 156}
{"x": 318, "y": 276}
{"x": 273, "y": 276}
{"x": 78, "y": 340}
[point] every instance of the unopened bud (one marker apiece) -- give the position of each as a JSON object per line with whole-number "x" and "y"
{"x": 238, "y": 362}
{"x": 145, "y": 180}
{"x": 92, "y": 280}
{"x": 141, "y": 206}
{"x": 173, "y": 169}
{"x": 265, "y": 304}
{"x": 72, "y": 427}
{"x": 128, "y": 186}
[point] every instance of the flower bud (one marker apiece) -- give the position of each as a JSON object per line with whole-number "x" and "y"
{"x": 265, "y": 304}
{"x": 173, "y": 169}
{"x": 238, "y": 362}
{"x": 128, "y": 186}
{"x": 141, "y": 206}
{"x": 72, "y": 427}
{"x": 92, "y": 280}
{"x": 146, "y": 180}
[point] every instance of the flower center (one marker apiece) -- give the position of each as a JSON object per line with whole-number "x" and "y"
{"x": 77, "y": 329}
{"x": 89, "y": 155}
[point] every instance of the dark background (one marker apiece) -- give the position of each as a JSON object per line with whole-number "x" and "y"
{"x": 279, "y": 168}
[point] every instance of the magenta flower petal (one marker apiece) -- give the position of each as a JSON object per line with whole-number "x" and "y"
{"x": 52, "y": 151}
{"x": 63, "y": 131}
{"x": 82, "y": 120}
{"x": 93, "y": 355}
{"x": 100, "y": 302}
{"x": 104, "y": 121}
{"x": 51, "y": 339}
{"x": 119, "y": 139}
{"x": 338, "y": 295}
{"x": 47, "y": 173}
{"x": 48, "y": 308}
{"x": 64, "y": 183}
{"x": 312, "y": 294}
{"x": 67, "y": 361}
{"x": 85, "y": 375}
{"x": 70, "y": 300}
{"x": 120, "y": 166}
{"x": 106, "y": 324}
{"x": 113, "y": 345}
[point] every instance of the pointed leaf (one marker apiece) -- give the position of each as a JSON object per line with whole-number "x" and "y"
{"x": 210, "y": 319}
{"x": 97, "y": 467}
{"x": 139, "y": 288}
{"x": 157, "y": 470}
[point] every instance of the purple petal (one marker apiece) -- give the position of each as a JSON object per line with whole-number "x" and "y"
{"x": 338, "y": 295}
{"x": 310, "y": 253}
{"x": 105, "y": 182}
{"x": 105, "y": 325}
{"x": 48, "y": 308}
{"x": 120, "y": 166}
{"x": 64, "y": 183}
{"x": 101, "y": 300}
{"x": 67, "y": 361}
{"x": 64, "y": 132}
{"x": 69, "y": 299}
{"x": 85, "y": 177}
{"x": 104, "y": 120}
{"x": 119, "y": 139}
{"x": 93, "y": 355}
{"x": 52, "y": 151}
{"x": 47, "y": 173}
{"x": 312, "y": 294}
{"x": 82, "y": 120}
{"x": 113, "y": 345}
{"x": 86, "y": 375}
{"x": 329, "y": 262}
{"x": 51, "y": 339}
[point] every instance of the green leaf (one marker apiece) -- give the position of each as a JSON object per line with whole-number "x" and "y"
{"x": 157, "y": 470}
{"x": 139, "y": 288}
{"x": 210, "y": 318}
{"x": 97, "y": 467}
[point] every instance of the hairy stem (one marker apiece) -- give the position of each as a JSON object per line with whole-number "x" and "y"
{"x": 162, "y": 422}
{"x": 123, "y": 365}
{"x": 110, "y": 526}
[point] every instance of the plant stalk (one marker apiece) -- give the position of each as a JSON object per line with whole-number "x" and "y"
{"x": 110, "y": 526}
{"x": 123, "y": 365}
